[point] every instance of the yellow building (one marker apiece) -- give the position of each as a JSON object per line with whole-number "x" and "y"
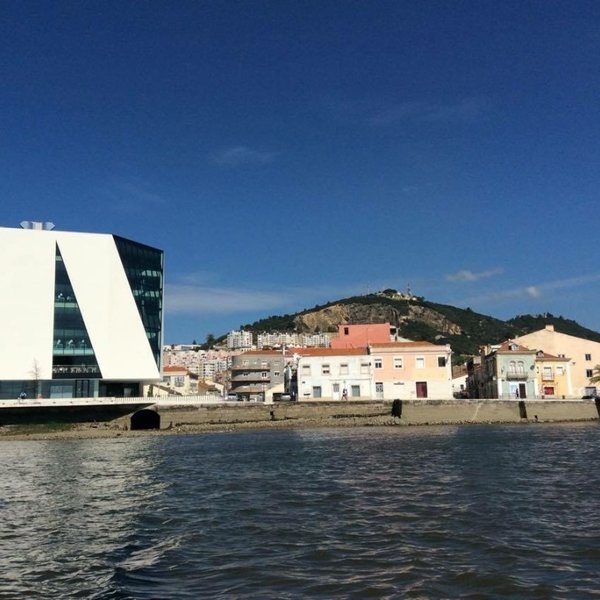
{"x": 584, "y": 355}
{"x": 553, "y": 375}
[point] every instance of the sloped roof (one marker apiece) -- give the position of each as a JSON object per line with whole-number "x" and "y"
{"x": 405, "y": 345}
{"x": 505, "y": 347}
{"x": 330, "y": 351}
{"x": 173, "y": 369}
{"x": 541, "y": 356}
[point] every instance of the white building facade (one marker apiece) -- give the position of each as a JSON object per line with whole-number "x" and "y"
{"x": 239, "y": 340}
{"x": 81, "y": 314}
{"x": 334, "y": 374}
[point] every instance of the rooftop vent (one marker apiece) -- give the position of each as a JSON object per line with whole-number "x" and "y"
{"x": 37, "y": 225}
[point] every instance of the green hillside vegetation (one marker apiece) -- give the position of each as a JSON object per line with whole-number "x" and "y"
{"x": 476, "y": 329}
{"x": 528, "y": 323}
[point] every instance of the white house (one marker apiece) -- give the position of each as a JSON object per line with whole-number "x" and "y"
{"x": 334, "y": 374}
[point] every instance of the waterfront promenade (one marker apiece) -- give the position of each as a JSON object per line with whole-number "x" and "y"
{"x": 210, "y": 413}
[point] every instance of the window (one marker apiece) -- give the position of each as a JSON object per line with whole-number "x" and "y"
{"x": 179, "y": 379}
{"x": 521, "y": 367}
{"x": 264, "y": 374}
{"x": 316, "y": 391}
{"x": 420, "y": 362}
{"x": 336, "y": 388}
{"x": 305, "y": 370}
{"x": 547, "y": 374}
{"x": 325, "y": 370}
{"x": 276, "y": 373}
{"x": 441, "y": 361}
{"x": 398, "y": 364}
{"x": 355, "y": 391}
{"x": 560, "y": 371}
{"x": 364, "y": 367}
{"x": 588, "y": 357}
{"x": 589, "y": 372}
{"x": 167, "y": 379}
{"x": 548, "y": 390}
{"x": 346, "y": 331}
{"x": 344, "y": 369}
{"x": 378, "y": 363}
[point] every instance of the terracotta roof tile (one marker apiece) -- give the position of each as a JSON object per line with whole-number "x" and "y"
{"x": 403, "y": 345}
{"x": 331, "y": 351}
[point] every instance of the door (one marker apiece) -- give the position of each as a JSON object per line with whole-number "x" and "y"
{"x": 522, "y": 391}
{"x": 379, "y": 390}
{"x": 421, "y": 389}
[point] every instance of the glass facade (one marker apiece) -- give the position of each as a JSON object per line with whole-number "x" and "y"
{"x": 144, "y": 269}
{"x": 72, "y": 352}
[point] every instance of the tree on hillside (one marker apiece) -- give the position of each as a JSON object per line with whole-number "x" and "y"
{"x": 210, "y": 341}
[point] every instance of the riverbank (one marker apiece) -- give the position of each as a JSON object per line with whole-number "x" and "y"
{"x": 111, "y": 430}
{"x": 179, "y": 420}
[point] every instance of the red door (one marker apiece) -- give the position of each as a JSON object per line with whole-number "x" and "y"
{"x": 421, "y": 389}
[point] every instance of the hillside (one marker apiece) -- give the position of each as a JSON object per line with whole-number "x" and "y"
{"x": 418, "y": 319}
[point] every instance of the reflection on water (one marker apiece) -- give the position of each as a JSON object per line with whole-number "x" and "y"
{"x": 482, "y": 512}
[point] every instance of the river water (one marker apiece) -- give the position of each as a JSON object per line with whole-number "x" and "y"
{"x": 423, "y": 512}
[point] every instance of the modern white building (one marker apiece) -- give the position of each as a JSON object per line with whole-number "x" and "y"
{"x": 81, "y": 314}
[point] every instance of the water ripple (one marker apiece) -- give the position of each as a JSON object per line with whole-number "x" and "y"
{"x": 471, "y": 512}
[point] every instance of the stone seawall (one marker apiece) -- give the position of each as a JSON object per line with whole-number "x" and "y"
{"x": 407, "y": 412}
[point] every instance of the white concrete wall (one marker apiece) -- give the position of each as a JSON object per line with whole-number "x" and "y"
{"x": 26, "y": 303}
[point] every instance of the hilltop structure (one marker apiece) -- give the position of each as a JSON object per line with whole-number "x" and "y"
{"x": 81, "y": 314}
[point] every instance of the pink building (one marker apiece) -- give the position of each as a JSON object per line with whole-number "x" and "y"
{"x": 360, "y": 336}
{"x": 407, "y": 370}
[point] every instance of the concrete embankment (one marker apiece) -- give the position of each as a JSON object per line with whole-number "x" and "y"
{"x": 195, "y": 418}
{"x": 407, "y": 412}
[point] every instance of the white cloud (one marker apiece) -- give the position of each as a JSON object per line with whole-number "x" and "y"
{"x": 242, "y": 155}
{"x": 192, "y": 294}
{"x": 468, "y": 109}
{"x": 469, "y": 276}
{"x": 132, "y": 193}
{"x": 534, "y": 291}
{"x": 193, "y": 299}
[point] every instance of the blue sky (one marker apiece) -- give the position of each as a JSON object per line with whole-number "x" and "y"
{"x": 285, "y": 154}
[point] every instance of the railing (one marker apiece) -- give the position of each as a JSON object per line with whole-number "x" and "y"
{"x": 138, "y": 400}
{"x": 516, "y": 375}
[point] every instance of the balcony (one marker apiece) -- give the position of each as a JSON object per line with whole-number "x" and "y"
{"x": 516, "y": 375}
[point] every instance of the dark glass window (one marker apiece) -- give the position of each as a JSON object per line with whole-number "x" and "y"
{"x": 144, "y": 269}
{"x": 72, "y": 352}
